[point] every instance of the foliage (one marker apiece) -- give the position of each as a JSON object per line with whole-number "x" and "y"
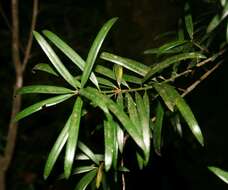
{"x": 125, "y": 96}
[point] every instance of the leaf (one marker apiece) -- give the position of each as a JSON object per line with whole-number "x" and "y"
{"x": 213, "y": 24}
{"x": 169, "y": 61}
{"x": 120, "y": 138}
{"x": 46, "y": 68}
{"x": 172, "y": 98}
{"x": 225, "y": 11}
{"x": 140, "y": 160}
{"x": 93, "y": 52}
{"x": 227, "y": 32}
{"x": 105, "y": 82}
{"x": 144, "y": 125}
{"x": 223, "y": 175}
{"x": 118, "y": 70}
{"x": 69, "y": 52}
{"x": 93, "y": 94}
{"x": 56, "y": 61}
{"x": 39, "y": 105}
{"x": 88, "y": 152}
{"x": 146, "y": 102}
{"x": 99, "y": 175}
{"x": 223, "y": 2}
{"x": 83, "y": 169}
{"x": 86, "y": 180}
{"x": 45, "y": 89}
{"x": 189, "y": 25}
{"x": 129, "y": 64}
{"x": 157, "y": 132}
{"x": 73, "y": 137}
{"x": 56, "y": 149}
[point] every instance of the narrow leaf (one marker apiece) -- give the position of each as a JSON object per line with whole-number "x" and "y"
{"x": 118, "y": 70}
{"x": 73, "y": 137}
{"x": 45, "y": 89}
{"x": 42, "y": 104}
{"x": 99, "y": 176}
{"x": 69, "y": 52}
{"x": 120, "y": 138}
{"x": 157, "y": 132}
{"x": 169, "y": 61}
{"x": 140, "y": 160}
{"x": 56, "y": 149}
{"x": 214, "y": 23}
{"x": 83, "y": 169}
{"x": 93, "y": 52}
{"x": 86, "y": 180}
{"x": 129, "y": 64}
{"x": 46, "y": 68}
{"x": 189, "y": 25}
{"x": 56, "y": 61}
{"x": 223, "y": 175}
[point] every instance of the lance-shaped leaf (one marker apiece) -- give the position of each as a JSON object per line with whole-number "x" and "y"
{"x": 69, "y": 52}
{"x": 44, "y": 89}
{"x": 93, "y": 52}
{"x": 46, "y": 68}
{"x": 73, "y": 137}
{"x": 106, "y": 82}
{"x": 86, "y": 180}
{"x": 56, "y": 149}
{"x": 83, "y": 169}
{"x": 223, "y": 175}
{"x": 157, "y": 132}
{"x": 120, "y": 138}
{"x": 56, "y": 61}
{"x": 88, "y": 152}
{"x": 214, "y": 23}
{"x": 140, "y": 160}
{"x": 188, "y": 21}
{"x": 99, "y": 176}
{"x": 169, "y": 61}
{"x": 129, "y": 64}
{"x": 118, "y": 70}
{"x": 42, "y": 104}
{"x": 94, "y": 95}
{"x": 144, "y": 125}
{"x": 172, "y": 98}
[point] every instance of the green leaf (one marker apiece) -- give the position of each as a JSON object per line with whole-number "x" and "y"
{"x": 106, "y": 82}
{"x": 100, "y": 174}
{"x": 118, "y": 70}
{"x": 69, "y": 52}
{"x": 223, "y": 175}
{"x": 214, "y": 23}
{"x": 42, "y": 104}
{"x": 227, "y": 32}
{"x": 189, "y": 25}
{"x": 88, "y": 152}
{"x": 73, "y": 137}
{"x": 86, "y": 180}
{"x": 225, "y": 11}
{"x": 172, "y": 98}
{"x": 129, "y": 64}
{"x": 146, "y": 102}
{"x": 93, "y": 52}
{"x": 140, "y": 160}
{"x": 157, "y": 132}
{"x": 223, "y": 2}
{"x": 46, "y": 68}
{"x": 45, "y": 89}
{"x": 56, "y": 149}
{"x": 83, "y": 169}
{"x": 144, "y": 123}
{"x": 120, "y": 138}
{"x": 56, "y": 61}
{"x": 171, "y": 60}
{"x": 93, "y": 94}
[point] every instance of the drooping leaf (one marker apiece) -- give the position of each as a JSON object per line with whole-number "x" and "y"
{"x": 129, "y": 64}
{"x": 175, "y": 121}
{"x": 223, "y": 2}
{"x": 42, "y": 104}
{"x": 88, "y": 152}
{"x": 83, "y": 169}
{"x": 92, "y": 94}
{"x": 140, "y": 160}
{"x": 72, "y": 137}
{"x": 56, "y": 149}
{"x": 225, "y": 11}
{"x": 86, "y": 180}
{"x": 93, "y": 52}
{"x": 45, "y": 89}
{"x": 69, "y": 52}
{"x": 157, "y": 132}
{"x": 214, "y": 23}
{"x": 120, "y": 138}
{"x": 99, "y": 176}
{"x": 46, "y": 68}
{"x": 146, "y": 102}
{"x": 189, "y": 25}
{"x": 171, "y": 60}
{"x": 172, "y": 98}
{"x": 56, "y": 61}
{"x": 223, "y": 175}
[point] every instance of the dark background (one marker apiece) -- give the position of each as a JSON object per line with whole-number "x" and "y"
{"x": 183, "y": 164}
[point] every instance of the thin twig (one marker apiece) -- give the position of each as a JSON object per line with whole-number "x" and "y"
{"x": 5, "y": 18}
{"x": 30, "y": 39}
{"x": 203, "y": 77}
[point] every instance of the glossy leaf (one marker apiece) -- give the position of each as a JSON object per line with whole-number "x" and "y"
{"x": 225, "y": 11}
{"x": 157, "y": 132}
{"x": 45, "y": 89}
{"x": 56, "y": 149}
{"x": 42, "y": 104}
{"x": 105, "y": 82}
{"x": 172, "y": 98}
{"x": 223, "y": 175}
{"x": 72, "y": 137}
{"x": 69, "y": 52}
{"x": 93, "y": 52}
{"x": 129, "y": 64}
{"x": 56, "y": 61}
{"x": 223, "y": 2}
{"x": 92, "y": 94}
{"x": 169, "y": 61}
{"x": 83, "y": 169}
{"x": 88, "y": 152}
{"x": 146, "y": 102}
{"x": 120, "y": 138}
{"x": 140, "y": 160}
{"x": 46, "y": 68}
{"x": 86, "y": 180}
